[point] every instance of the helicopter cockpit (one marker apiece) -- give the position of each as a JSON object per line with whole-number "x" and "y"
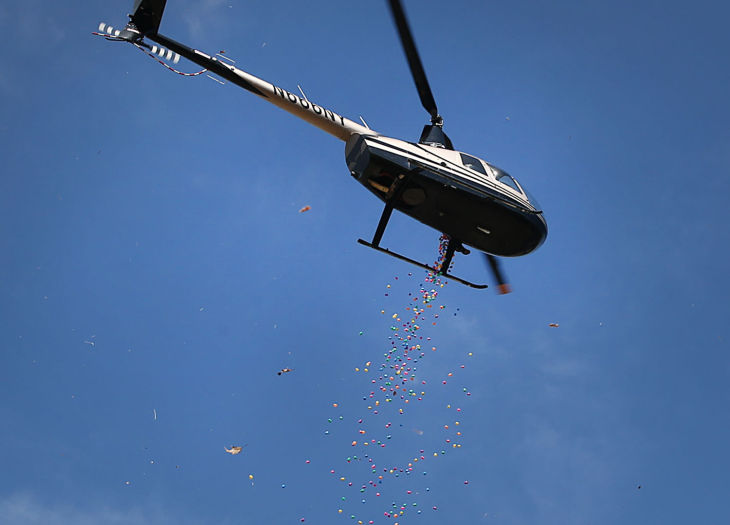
{"x": 501, "y": 176}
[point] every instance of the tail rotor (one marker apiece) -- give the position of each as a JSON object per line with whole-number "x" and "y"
{"x": 108, "y": 32}
{"x": 165, "y": 54}
{"x": 133, "y": 36}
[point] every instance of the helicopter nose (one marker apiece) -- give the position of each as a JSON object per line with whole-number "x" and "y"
{"x": 542, "y": 228}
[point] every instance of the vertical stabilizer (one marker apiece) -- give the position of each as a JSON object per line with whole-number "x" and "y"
{"x": 147, "y": 15}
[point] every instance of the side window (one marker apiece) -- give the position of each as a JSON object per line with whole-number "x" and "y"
{"x": 472, "y": 163}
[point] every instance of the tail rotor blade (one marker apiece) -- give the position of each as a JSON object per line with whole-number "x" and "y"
{"x": 128, "y": 34}
{"x": 165, "y": 54}
{"x": 414, "y": 61}
{"x": 107, "y": 30}
{"x": 502, "y": 284}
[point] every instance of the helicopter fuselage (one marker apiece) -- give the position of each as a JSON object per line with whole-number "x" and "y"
{"x": 453, "y": 192}
{"x": 471, "y": 201}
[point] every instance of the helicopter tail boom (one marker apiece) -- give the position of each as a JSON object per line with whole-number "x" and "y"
{"x": 144, "y": 24}
{"x": 319, "y": 116}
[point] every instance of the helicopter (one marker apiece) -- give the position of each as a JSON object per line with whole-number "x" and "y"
{"x": 470, "y": 201}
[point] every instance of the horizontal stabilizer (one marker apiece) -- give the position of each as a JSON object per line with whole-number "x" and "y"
{"x": 147, "y": 15}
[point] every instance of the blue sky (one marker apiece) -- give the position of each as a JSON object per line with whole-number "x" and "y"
{"x": 157, "y": 217}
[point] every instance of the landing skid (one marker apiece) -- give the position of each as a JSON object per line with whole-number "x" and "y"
{"x": 419, "y": 264}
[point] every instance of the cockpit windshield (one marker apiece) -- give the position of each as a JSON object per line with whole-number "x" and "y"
{"x": 502, "y": 177}
{"x": 508, "y": 180}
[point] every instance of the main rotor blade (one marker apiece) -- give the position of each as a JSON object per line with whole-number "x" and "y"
{"x": 414, "y": 61}
{"x": 502, "y": 285}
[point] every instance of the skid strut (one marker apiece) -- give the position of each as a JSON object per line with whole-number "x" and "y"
{"x": 392, "y": 194}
